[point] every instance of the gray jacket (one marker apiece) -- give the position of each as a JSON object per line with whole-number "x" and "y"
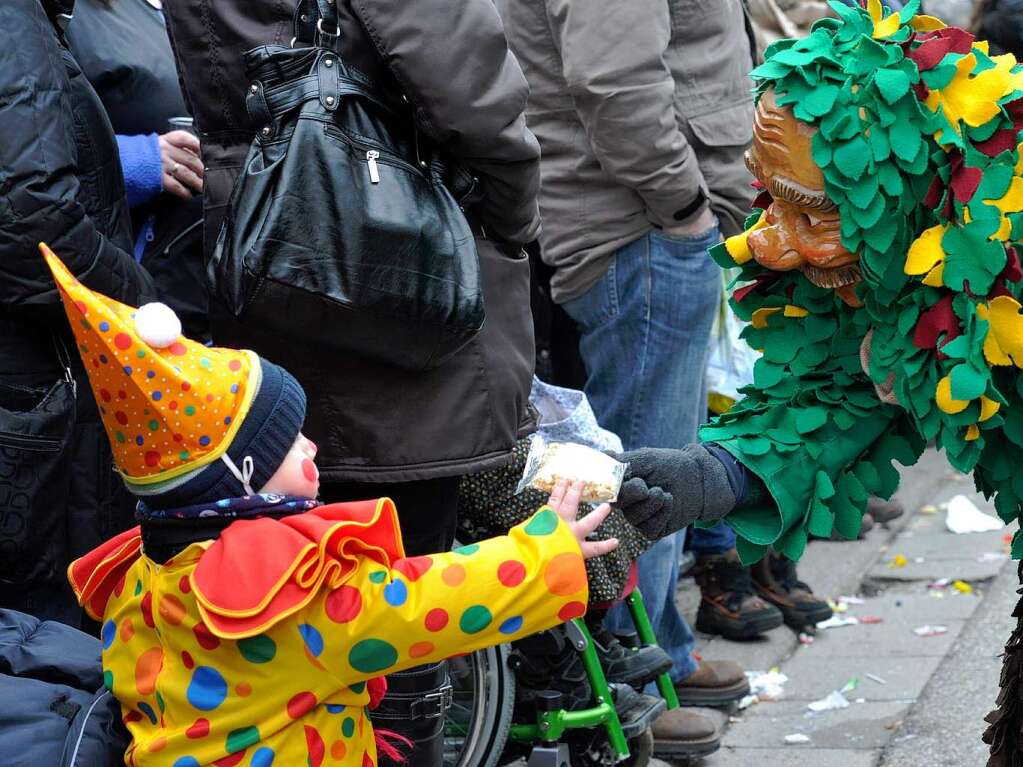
{"x": 640, "y": 106}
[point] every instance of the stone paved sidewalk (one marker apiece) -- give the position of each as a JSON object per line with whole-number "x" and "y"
{"x": 883, "y": 716}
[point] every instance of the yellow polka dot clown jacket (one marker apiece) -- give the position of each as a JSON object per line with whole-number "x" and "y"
{"x": 256, "y": 648}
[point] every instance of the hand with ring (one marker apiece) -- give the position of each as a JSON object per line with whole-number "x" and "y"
{"x": 182, "y": 167}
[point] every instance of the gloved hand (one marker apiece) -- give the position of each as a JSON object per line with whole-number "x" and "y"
{"x": 666, "y": 489}
{"x": 649, "y": 509}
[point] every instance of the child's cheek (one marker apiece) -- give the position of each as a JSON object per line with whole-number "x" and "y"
{"x": 309, "y": 470}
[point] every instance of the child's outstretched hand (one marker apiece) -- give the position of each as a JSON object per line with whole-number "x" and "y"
{"x": 565, "y": 501}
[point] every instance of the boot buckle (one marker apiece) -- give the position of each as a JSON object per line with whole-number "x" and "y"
{"x": 432, "y": 705}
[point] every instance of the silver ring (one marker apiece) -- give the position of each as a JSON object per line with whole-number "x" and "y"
{"x": 174, "y": 169}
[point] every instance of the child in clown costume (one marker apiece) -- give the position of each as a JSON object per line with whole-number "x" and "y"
{"x": 243, "y": 623}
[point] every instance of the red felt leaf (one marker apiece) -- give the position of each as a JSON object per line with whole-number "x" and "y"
{"x": 930, "y": 53}
{"x": 940, "y": 320}
{"x": 964, "y": 180}
{"x": 1012, "y": 272}
{"x": 934, "y": 193}
{"x": 760, "y": 281}
{"x": 1002, "y": 141}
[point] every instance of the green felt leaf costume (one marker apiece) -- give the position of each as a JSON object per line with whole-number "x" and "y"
{"x": 918, "y": 142}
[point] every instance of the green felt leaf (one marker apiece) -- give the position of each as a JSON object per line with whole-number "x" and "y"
{"x": 940, "y": 76}
{"x": 905, "y": 140}
{"x": 870, "y": 55}
{"x": 863, "y": 193}
{"x": 881, "y": 235}
{"x": 811, "y": 419}
{"x": 892, "y": 83}
{"x": 870, "y": 215}
{"x": 820, "y": 100}
{"x": 968, "y": 383}
{"x": 851, "y": 157}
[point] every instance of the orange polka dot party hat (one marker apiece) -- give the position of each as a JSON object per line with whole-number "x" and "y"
{"x": 187, "y": 423}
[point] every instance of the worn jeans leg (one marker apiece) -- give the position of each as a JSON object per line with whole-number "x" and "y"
{"x": 714, "y": 540}
{"x": 645, "y": 329}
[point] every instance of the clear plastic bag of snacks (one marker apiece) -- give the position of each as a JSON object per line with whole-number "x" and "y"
{"x": 548, "y": 462}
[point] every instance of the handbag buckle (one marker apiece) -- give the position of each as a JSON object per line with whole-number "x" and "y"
{"x": 326, "y": 39}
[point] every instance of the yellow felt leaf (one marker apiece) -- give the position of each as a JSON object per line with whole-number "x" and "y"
{"x": 982, "y": 46}
{"x": 1004, "y": 342}
{"x": 943, "y": 396}
{"x": 875, "y": 10}
{"x": 887, "y": 27}
{"x": 759, "y": 319}
{"x": 923, "y": 23}
{"x": 935, "y": 278}
{"x": 972, "y": 432}
{"x": 1018, "y": 170}
{"x": 973, "y": 100}
{"x": 1010, "y": 202}
{"x": 925, "y": 253}
{"x": 737, "y": 245}
{"x": 795, "y": 311}
{"x": 988, "y": 407}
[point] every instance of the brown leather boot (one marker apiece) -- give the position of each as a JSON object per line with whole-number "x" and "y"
{"x": 683, "y": 734}
{"x": 715, "y": 683}
{"x": 728, "y": 606}
{"x": 775, "y": 579}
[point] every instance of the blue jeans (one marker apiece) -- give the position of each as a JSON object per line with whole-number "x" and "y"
{"x": 644, "y": 334}
{"x": 715, "y": 540}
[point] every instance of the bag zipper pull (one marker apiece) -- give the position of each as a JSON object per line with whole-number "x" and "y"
{"x": 371, "y": 160}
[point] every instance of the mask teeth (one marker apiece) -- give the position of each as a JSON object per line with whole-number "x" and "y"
{"x": 833, "y": 278}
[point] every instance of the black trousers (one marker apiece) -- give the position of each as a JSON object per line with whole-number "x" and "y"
{"x": 427, "y": 509}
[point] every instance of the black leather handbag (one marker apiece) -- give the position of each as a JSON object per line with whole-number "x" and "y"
{"x": 35, "y": 476}
{"x": 341, "y": 230}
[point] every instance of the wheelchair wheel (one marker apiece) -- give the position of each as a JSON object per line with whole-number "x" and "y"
{"x": 483, "y": 696}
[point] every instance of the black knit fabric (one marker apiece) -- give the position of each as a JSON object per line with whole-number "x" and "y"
{"x": 269, "y": 430}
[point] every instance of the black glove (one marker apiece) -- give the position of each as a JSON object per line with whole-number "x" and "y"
{"x": 681, "y": 487}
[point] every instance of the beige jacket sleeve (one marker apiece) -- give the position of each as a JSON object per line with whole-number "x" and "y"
{"x": 612, "y": 54}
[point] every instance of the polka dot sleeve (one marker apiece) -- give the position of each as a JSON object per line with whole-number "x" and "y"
{"x": 432, "y": 607}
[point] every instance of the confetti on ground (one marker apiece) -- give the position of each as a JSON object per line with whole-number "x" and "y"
{"x": 832, "y": 702}
{"x": 875, "y": 678}
{"x": 796, "y": 738}
{"x": 838, "y": 621}
{"x": 898, "y": 561}
{"x": 871, "y": 620}
{"x": 928, "y": 630}
{"x": 962, "y": 587}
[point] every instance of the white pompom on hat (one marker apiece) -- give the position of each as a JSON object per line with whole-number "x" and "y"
{"x": 157, "y": 325}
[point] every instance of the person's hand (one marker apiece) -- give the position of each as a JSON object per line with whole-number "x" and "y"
{"x": 182, "y": 168}
{"x": 565, "y": 501}
{"x": 650, "y": 509}
{"x": 699, "y": 225}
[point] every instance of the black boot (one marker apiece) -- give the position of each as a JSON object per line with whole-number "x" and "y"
{"x": 634, "y": 666}
{"x": 414, "y": 707}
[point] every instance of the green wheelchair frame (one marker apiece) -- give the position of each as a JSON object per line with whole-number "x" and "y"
{"x": 551, "y": 725}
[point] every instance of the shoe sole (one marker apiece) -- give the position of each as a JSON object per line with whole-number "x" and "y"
{"x": 686, "y": 749}
{"x": 794, "y": 617}
{"x": 713, "y": 697}
{"x": 736, "y": 630}
{"x": 639, "y": 678}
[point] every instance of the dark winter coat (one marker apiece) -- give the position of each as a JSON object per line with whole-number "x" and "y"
{"x": 60, "y": 183}
{"x": 1000, "y": 22}
{"x": 373, "y": 422}
{"x": 54, "y": 709}
{"x": 123, "y": 50}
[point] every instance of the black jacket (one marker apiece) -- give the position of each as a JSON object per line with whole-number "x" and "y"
{"x": 60, "y": 180}
{"x": 60, "y": 183}
{"x": 123, "y": 50}
{"x": 54, "y": 709}
{"x": 374, "y": 422}
{"x": 1000, "y": 22}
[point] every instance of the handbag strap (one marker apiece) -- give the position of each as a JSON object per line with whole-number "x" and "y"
{"x": 316, "y": 23}
{"x": 64, "y": 359}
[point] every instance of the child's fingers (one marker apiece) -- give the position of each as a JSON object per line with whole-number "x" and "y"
{"x": 557, "y": 498}
{"x": 591, "y": 521}
{"x": 592, "y": 549}
{"x": 572, "y": 496}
